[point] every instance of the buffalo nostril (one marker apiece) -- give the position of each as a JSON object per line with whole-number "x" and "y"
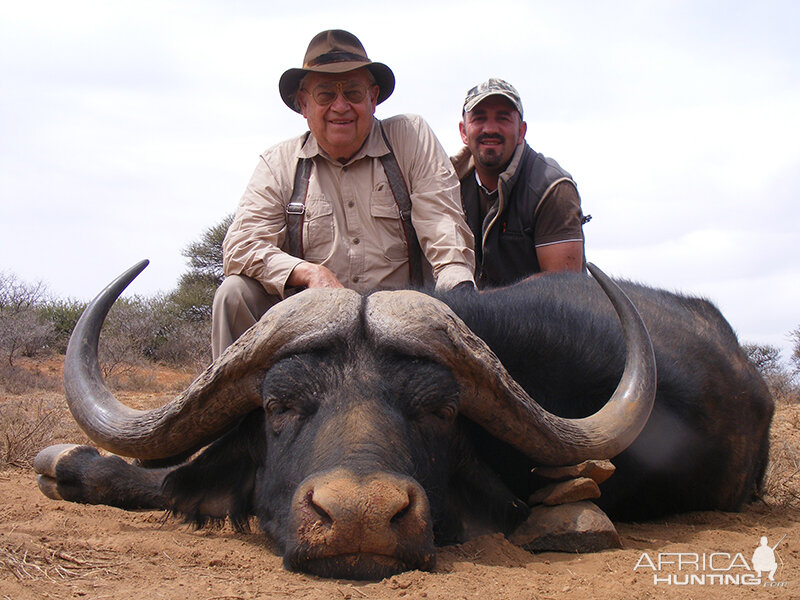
{"x": 323, "y": 515}
{"x": 406, "y": 503}
{"x": 400, "y": 515}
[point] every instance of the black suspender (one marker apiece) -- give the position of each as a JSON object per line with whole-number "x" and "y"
{"x": 296, "y": 208}
{"x": 403, "y": 200}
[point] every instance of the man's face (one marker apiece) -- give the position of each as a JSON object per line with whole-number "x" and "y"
{"x": 340, "y": 126}
{"x": 493, "y": 130}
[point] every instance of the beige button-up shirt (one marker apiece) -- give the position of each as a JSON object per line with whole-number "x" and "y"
{"x": 352, "y": 224}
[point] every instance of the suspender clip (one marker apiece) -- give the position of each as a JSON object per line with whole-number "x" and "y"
{"x": 295, "y": 208}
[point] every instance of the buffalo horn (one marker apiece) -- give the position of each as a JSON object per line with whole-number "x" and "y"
{"x": 419, "y": 325}
{"x": 227, "y": 390}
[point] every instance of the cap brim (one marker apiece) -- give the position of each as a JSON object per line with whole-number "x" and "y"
{"x": 468, "y": 106}
{"x": 290, "y": 80}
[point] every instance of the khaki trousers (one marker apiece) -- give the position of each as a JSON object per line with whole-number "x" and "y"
{"x": 238, "y": 304}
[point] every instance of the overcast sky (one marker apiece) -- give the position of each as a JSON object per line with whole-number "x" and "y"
{"x": 128, "y": 128}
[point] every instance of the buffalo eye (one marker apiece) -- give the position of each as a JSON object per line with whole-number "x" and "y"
{"x": 291, "y": 390}
{"x": 446, "y": 411}
{"x": 428, "y": 391}
{"x": 285, "y": 412}
{"x": 435, "y": 411}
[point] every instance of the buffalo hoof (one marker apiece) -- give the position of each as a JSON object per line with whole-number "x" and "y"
{"x": 70, "y": 472}
{"x": 575, "y": 527}
{"x": 45, "y": 466}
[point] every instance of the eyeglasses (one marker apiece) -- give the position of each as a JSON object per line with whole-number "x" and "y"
{"x": 325, "y": 93}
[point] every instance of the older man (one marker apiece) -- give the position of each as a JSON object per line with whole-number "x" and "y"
{"x": 523, "y": 208}
{"x": 356, "y": 202}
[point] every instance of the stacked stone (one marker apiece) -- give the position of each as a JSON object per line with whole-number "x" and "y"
{"x": 563, "y": 518}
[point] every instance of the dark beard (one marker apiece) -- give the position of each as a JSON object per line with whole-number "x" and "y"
{"x": 490, "y": 158}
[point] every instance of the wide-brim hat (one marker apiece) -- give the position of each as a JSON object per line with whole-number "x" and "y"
{"x": 335, "y": 51}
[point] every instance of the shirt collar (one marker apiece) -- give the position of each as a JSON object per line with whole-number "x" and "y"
{"x": 511, "y": 169}
{"x": 486, "y": 190}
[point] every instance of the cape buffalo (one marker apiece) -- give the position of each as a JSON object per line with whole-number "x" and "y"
{"x": 363, "y": 430}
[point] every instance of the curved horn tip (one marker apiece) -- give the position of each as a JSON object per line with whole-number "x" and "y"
{"x": 596, "y": 271}
{"x": 134, "y": 271}
{"x": 117, "y": 286}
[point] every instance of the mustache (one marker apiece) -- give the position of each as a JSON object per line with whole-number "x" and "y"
{"x": 490, "y": 136}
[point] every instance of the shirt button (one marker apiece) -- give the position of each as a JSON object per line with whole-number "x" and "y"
{"x": 355, "y": 279}
{"x": 356, "y": 241}
{"x": 351, "y": 204}
{"x": 344, "y": 169}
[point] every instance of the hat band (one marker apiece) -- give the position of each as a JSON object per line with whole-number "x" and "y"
{"x": 334, "y": 57}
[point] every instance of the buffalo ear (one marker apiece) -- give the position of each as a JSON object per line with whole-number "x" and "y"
{"x": 482, "y": 487}
{"x": 218, "y": 483}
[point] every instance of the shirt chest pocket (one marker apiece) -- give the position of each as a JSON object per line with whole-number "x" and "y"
{"x": 388, "y": 226}
{"x": 318, "y": 231}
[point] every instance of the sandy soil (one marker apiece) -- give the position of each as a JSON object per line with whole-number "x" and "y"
{"x": 60, "y": 550}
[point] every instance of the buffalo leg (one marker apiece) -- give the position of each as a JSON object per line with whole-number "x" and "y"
{"x": 82, "y": 474}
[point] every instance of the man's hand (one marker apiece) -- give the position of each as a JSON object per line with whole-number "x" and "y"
{"x": 310, "y": 275}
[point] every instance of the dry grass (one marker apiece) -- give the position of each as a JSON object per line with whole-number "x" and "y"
{"x": 30, "y": 375}
{"x": 34, "y": 413}
{"x": 29, "y": 424}
{"x": 36, "y": 562}
{"x": 782, "y": 479}
{"x": 151, "y": 379}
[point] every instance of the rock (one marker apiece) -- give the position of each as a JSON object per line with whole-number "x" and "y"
{"x": 563, "y": 492}
{"x": 574, "y": 527}
{"x": 597, "y": 470}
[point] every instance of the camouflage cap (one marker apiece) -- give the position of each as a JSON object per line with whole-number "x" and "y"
{"x": 493, "y": 87}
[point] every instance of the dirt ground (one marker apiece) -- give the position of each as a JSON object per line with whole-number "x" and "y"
{"x": 60, "y": 550}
